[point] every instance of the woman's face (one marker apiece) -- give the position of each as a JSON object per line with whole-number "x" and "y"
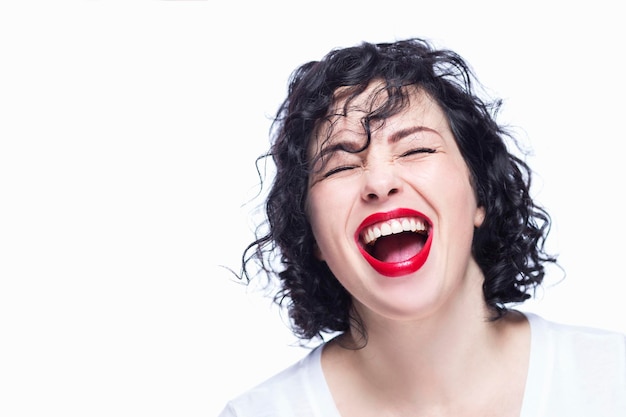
{"x": 394, "y": 221}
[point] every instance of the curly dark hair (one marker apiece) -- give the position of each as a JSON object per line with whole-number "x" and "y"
{"x": 508, "y": 246}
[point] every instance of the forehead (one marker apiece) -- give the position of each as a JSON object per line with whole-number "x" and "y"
{"x": 350, "y": 118}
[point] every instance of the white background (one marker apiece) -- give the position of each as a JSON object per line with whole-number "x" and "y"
{"x": 128, "y": 134}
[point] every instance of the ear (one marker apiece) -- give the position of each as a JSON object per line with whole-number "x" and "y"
{"x": 479, "y": 216}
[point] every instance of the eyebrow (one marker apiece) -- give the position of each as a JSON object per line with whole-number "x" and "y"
{"x": 353, "y": 147}
{"x": 402, "y": 133}
{"x": 345, "y": 146}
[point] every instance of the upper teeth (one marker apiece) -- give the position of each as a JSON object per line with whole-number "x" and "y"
{"x": 393, "y": 226}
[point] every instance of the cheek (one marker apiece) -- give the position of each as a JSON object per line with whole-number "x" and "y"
{"x": 327, "y": 202}
{"x": 312, "y": 210}
{"x": 327, "y": 214}
{"x": 458, "y": 194}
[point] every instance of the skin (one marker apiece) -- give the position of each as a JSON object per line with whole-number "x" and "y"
{"x": 430, "y": 348}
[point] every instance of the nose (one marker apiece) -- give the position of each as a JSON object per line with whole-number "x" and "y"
{"x": 380, "y": 183}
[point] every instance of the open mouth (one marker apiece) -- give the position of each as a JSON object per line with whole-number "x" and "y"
{"x": 395, "y": 243}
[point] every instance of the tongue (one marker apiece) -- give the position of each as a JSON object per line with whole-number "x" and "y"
{"x": 398, "y": 248}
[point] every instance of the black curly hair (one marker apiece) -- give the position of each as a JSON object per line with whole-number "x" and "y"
{"x": 508, "y": 246}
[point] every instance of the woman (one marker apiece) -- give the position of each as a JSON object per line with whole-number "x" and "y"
{"x": 400, "y": 222}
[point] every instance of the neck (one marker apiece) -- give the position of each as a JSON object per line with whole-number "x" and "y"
{"x": 454, "y": 356}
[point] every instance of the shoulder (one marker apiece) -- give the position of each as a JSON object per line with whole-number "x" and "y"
{"x": 575, "y": 370}
{"x": 577, "y": 339}
{"x": 287, "y": 393}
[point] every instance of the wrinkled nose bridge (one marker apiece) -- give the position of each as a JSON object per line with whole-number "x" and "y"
{"x": 380, "y": 180}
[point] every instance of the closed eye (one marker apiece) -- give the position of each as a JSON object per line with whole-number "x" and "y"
{"x": 338, "y": 169}
{"x": 418, "y": 150}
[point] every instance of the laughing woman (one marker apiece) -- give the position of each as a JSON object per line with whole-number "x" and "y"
{"x": 400, "y": 221}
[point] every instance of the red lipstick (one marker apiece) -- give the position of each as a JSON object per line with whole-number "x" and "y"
{"x": 404, "y": 267}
